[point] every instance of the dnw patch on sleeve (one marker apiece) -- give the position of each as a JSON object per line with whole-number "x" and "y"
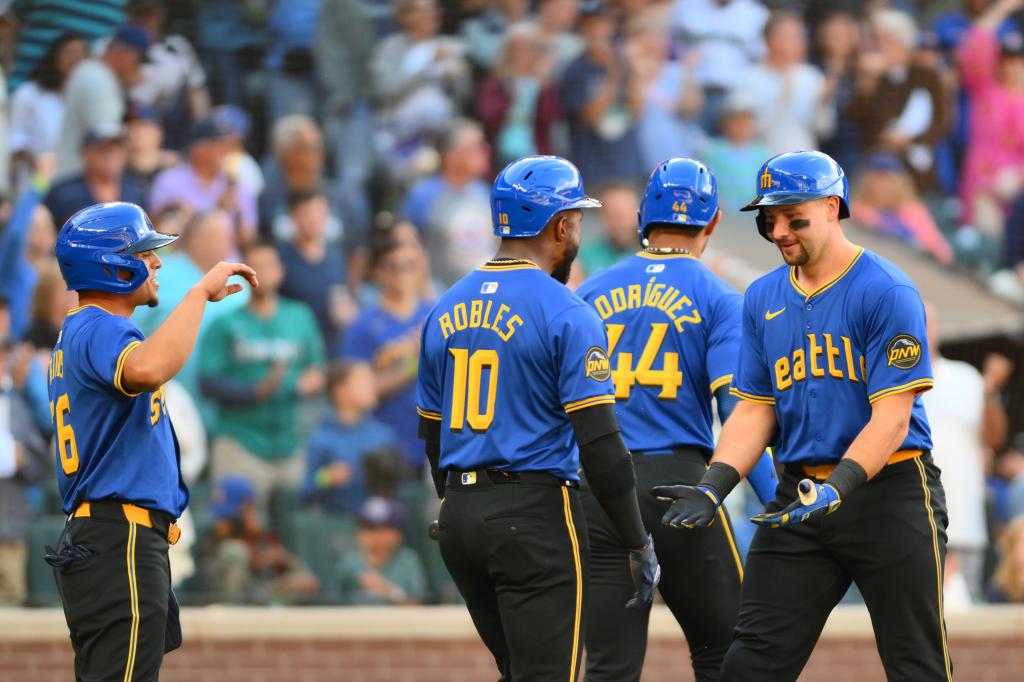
{"x": 903, "y": 351}
{"x": 598, "y": 367}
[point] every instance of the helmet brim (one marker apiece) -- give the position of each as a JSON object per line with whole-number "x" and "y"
{"x": 152, "y": 241}
{"x": 586, "y": 202}
{"x": 780, "y": 199}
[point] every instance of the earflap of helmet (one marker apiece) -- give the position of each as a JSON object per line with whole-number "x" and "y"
{"x": 100, "y": 272}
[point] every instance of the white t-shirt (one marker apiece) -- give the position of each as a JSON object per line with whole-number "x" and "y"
{"x": 955, "y": 410}
{"x": 728, "y": 36}
{"x": 789, "y": 110}
{"x": 36, "y": 117}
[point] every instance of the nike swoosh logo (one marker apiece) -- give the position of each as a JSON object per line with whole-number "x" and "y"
{"x": 771, "y": 316}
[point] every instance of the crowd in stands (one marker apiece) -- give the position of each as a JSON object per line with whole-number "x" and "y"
{"x": 345, "y": 149}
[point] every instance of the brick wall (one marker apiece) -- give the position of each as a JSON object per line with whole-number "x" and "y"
{"x": 434, "y": 645}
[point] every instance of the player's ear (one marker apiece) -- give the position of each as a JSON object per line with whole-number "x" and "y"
{"x": 713, "y": 224}
{"x": 832, "y": 208}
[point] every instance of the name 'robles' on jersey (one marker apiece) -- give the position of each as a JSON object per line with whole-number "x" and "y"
{"x": 477, "y": 315}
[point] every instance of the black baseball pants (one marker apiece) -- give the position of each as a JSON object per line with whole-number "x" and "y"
{"x": 115, "y": 593}
{"x": 701, "y": 573}
{"x": 889, "y": 538}
{"x": 516, "y": 547}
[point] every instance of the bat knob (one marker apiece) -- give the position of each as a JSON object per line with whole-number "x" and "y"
{"x": 806, "y": 491}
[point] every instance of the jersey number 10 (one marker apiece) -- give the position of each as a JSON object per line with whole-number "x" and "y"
{"x": 668, "y": 378}
{"x": 468, "y": 379}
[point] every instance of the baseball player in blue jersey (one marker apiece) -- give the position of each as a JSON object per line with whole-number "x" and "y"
{"x": 514, "y": 394}
{"x": 834, "y": 355}
{"x": 117, "y": 456}
{"x": 674, "y": 337}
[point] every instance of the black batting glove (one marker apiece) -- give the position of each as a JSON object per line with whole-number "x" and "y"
{"x": 693, "y": 506}
{"x": 646, "y": 574}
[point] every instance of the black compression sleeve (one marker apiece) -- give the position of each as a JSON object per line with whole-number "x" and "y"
{"x": 609, "y": 470}
{"x": 726, "y": 402}
{"x": 430, "y": 433}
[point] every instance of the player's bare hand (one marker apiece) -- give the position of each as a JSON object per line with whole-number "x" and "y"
{"x": 215, "y": 282}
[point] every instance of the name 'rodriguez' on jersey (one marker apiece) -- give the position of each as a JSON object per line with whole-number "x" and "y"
{"x": 508, "y": 335}
{"x": 822, "y": 366}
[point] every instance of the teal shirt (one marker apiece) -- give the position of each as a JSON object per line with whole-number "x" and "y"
{"x": 241, "y": 347}
{"x": 404, "y": 570}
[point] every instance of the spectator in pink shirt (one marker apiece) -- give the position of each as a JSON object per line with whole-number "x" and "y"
{"x": 992, "y": 71}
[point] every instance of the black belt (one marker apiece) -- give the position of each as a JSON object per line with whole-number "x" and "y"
{"x": 468, "y": 479}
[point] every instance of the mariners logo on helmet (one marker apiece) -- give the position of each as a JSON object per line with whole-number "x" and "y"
{"x": 903, "y": 351}
{"x": 598, "y": 367}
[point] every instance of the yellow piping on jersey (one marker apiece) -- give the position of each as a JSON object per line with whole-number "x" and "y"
{"x": 750, "y": 397}
{"x": 589, "y": 402}
{"x": 427, "y": 414}
{"x": 662, "y": 256}
{"x": 827, "y": 285}
{"x": 918, "y": 386}
{"x": 517, "y": 264}
{"x": 87, "y": 305}
{"x": 723, "y": 380}
{"x": 119, "y": 368}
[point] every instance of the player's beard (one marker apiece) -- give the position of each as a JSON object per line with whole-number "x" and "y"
{"x": 800, "y": 258}
{"x": 564, "y": 268}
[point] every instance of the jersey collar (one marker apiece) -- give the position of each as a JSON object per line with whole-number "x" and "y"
{"x": 80, "y": 308}
{"x": 827, "y": 285}
{"x": 509, "y": 264}
{"x": 663, "y": 256}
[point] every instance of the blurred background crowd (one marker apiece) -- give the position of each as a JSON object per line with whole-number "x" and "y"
{"x": 345, "y": 148}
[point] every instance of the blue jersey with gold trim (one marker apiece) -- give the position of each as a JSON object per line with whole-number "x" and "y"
{"x": 673, "y": 339}
{"x": 506, "y": 354}
{"x": 823, "y": 357}
{"x": 110, "y": 444}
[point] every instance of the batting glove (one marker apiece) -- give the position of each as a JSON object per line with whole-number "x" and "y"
{"x": 646, "y": 574}
{"x": 813, "y": 500}
{"x": 692, "y": 505}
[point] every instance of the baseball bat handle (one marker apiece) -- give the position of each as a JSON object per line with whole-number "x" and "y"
{"x": 807, "y": 492}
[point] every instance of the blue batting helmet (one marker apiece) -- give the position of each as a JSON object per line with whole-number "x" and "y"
{"x": 796, "y": 177}
{"x": 99, "y": 241}
{"x": 679, "y": 192}
{"x": 530, "y": 191}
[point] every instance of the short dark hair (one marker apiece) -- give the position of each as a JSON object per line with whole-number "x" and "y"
{"x": 258, "y": 243}
{"x": 684, "y": 230}
{"x": 301, "y": 196}
{"x": 448, "y": 138}
{"x": 382, "y": 246}
{"x": 339, "y": 371}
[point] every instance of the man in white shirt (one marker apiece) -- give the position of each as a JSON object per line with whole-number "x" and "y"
{"x": 794, "y": 107}
{"x": 964, "y": 414}
{"x": 728, "y": 35}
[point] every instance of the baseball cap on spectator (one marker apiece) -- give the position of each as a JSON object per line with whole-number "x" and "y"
{"x": 592, "y": 8}
{"x": 885, "y": 163}
{"x": 233, "y": 118}
{"x": 138, "y": 112}
{"x": 381, "y": 512}
{"x": 228, "y": 497}
{"x": 104, "y": 132}
{"x": 1011, "y": 44}
{"x": 739, "y": 103}
{"x": 132, "y": 37}
{"x": 210, "y": 129}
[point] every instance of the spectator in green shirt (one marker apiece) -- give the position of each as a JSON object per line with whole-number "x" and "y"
{"x": 618, "y": 228}
{"x": 259, "y": 363}
{"x": 381, "y": 570}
